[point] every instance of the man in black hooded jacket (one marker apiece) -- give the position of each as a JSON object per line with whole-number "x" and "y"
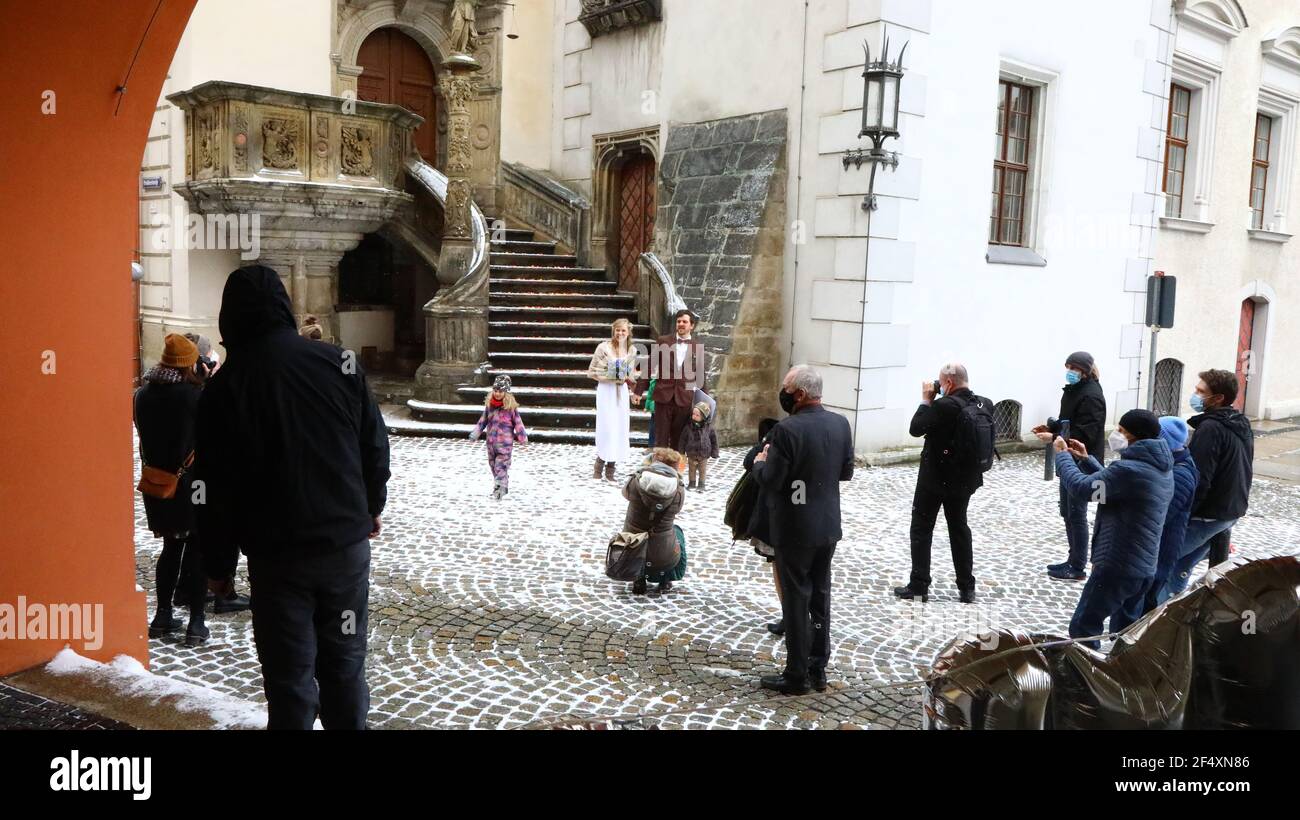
{"x": 1223, "y": 448}
{"x": 295, "y": 465}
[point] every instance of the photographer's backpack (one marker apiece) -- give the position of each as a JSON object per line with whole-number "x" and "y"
{"x": 976, "y": 434}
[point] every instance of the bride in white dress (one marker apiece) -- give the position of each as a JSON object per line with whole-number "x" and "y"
{"x": 613, "y": 367}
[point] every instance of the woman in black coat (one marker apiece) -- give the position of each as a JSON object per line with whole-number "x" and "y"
{"x": 1083, "y": 404}
{"x": 758, "y": 521}
{"x": 165, "y": 409}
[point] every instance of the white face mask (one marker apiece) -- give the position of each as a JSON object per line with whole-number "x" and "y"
{"x": 1117, "y": 441}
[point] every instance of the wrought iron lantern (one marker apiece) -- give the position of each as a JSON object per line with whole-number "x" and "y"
{"x": 882, "y": 80}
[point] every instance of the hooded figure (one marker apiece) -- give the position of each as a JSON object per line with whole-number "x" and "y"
{"x": 294, "y": 456}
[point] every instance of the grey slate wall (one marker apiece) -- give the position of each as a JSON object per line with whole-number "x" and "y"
{"x": 719, "y": 229}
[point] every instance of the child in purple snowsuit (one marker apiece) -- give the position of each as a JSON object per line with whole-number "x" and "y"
{"x": 502, "y": 425}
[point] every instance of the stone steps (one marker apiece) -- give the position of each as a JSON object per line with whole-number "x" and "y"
{"x": 546, "y": 315}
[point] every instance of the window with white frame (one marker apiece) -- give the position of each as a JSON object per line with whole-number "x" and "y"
{"x": 1021, "y": 162}
{"x": 1204, "y": 29}
{"x": 1273, "y": 157}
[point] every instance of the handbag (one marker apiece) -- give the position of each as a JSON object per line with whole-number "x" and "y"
{"x": 156, "y": 482}
{"x": 625, "y": 559}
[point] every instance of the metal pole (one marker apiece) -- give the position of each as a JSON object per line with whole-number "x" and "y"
{"x": 1151, "y": 372}
{"x": 869, "y": 205}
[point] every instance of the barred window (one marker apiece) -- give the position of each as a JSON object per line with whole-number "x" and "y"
{"x": 1169, "y": 381}
{"x": 1006, "y": 420}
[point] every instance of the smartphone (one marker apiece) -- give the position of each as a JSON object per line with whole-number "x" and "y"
{"x": 1065, "y": 429}
{"x": 936, "y": 388}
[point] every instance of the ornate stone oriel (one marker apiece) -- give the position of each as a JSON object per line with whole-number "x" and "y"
{"x": 280, "y": 143}
{"x": 358, "y": 158}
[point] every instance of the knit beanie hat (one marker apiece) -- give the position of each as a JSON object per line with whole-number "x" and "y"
{"x": 201, "y": 342}
{"x": 312, "y": 329}
{"x": 178, "y": 352}
{"x": 502, "y": 383}
{"x": 1174, "y": 431}
{"x": 1082, "y": 360}
{"x": 1141, "y": 423}
{"x": 703, "y": 407}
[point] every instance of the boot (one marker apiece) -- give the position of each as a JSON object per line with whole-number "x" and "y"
{"x": 163, "y": 623}
{"x": 600, "y": 465}
{"x": 609, "y": 471}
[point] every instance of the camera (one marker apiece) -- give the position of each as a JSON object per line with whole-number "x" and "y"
{"x": 936, "y": 388}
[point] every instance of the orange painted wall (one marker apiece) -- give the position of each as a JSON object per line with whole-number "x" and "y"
{"x": 68, "y": 219}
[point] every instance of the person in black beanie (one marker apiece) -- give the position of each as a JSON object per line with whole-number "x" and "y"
{"x": 1132, "y": 496}
{"x": 1083, "y": 404}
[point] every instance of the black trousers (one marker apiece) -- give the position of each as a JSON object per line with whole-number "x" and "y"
{"x": 178, "y": 553}
{"x": 925, "y": 512}
{"x": 805, "y": 574}
{"x": 1219, "y": 547}
{"x": 310, "y": 617}
{"x": 670, "y": 420}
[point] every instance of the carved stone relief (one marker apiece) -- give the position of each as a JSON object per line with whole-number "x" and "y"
{"x": 239, "y": 116}
{"x": 205, "y": 140}
{"x": 280, "y": 143}
{"x": 320, "y": 146}
{"x": 358, "y": 151}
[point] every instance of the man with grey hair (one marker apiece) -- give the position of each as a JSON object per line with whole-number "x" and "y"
{"x": 950, "y": 473}
{"x": 799, "y": 472}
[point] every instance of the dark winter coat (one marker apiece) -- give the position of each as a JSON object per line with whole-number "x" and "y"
{"x": 662, "y": 551}
{"x": 940, "y": 472}
{"x": 1224, "y": 448}
{"x": 699, "y": 440}
{"x": 1133, "y": 497}
{"x": 1084, "y": 404}
{"x": 165, "y": 415}
{"x": 291, "y": 444}
{"x": 757, "y": 526}
{"x": 811, "y": 453}
{"x": 1180, "y": 511}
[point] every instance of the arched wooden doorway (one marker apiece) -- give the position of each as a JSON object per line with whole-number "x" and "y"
{"x": 396, "y": 69}
{"x": 1245, "y": 351}
{"x": 636, "y": 216}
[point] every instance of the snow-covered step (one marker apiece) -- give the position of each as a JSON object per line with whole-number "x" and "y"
{"x": 498, "y": 298}
{"x": 566, "y": 329}
{"x": 535, "y": 396}
{"x": 579, "y": 286}
{"x": 547, "y": 260}
{"x": 408, "y": 426}
{"x": 509, "y": 245}
{"x": 503, "y": 271}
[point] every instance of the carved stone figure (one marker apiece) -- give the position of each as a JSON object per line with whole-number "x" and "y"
{"x": 464, "y": 36}
{"x": 280, "y": 143}
{"x": 358, "y": 151}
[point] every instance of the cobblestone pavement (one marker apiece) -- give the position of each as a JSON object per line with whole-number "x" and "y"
{"x": 498, "y": 614}
{"x": 23, "y": 710}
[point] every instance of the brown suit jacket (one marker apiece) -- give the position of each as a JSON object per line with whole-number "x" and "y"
{"x": 676, "y": 383}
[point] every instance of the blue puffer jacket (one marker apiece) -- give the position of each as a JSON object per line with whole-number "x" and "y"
{"x": 1186, "y": 477}
{"x": 1137, "y": 488}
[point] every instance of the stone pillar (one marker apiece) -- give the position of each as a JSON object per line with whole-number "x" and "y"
{"x": 308, "y": 264}
{"x": 458, "y": 238}
{"x": 456, "y": 320}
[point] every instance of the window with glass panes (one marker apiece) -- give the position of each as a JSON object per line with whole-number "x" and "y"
{"x": 1259, "y": 169}
{"x": 1180, "y": 109}
{"x": 1011, "y": 164}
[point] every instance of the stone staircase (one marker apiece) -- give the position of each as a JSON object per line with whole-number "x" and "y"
{"x": 545, "y": 317}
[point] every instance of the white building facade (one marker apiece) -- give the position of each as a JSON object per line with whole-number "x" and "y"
{"x": 1027, "y": 210}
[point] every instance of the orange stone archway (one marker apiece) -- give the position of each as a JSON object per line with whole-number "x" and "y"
{"x": 69, "y": 212}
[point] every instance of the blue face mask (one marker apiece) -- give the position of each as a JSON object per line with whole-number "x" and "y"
{"x": 1072, "y": 377}
{"x": 1198, "y": 403}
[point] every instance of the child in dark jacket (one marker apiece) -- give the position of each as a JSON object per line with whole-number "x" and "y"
{"x": 699, "y": 443}
{"x": 503, "y": 427}
{"x": 1186, "y": 476}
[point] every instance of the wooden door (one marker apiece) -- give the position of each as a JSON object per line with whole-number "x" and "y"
{"x": 1245, "y": 356}
{"x": 395, "y": 69}
{"x": 636, "y": 217}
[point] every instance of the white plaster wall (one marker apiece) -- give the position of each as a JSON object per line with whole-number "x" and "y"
{"x": 528, "y": 76}
{"x": 1216, "y": 269}
{"x": 932, "y": 296}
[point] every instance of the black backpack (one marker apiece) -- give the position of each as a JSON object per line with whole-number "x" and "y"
{"x": 973, "y": 444}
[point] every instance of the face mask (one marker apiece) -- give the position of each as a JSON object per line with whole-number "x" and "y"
{"x": 1198, "y": 403}
{"x": 787, "y": 402}
{"x": 1117, "y": 441}
{"x": 1072, "y": 377}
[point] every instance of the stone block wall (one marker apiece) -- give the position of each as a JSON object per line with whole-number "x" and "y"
{"x": 720, "y": 227}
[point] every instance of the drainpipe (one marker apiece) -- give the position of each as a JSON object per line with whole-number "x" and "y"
{"x": 798, "y": 189}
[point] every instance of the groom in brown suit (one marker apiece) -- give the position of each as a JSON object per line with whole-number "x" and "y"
{"x": 678, "y": 364}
